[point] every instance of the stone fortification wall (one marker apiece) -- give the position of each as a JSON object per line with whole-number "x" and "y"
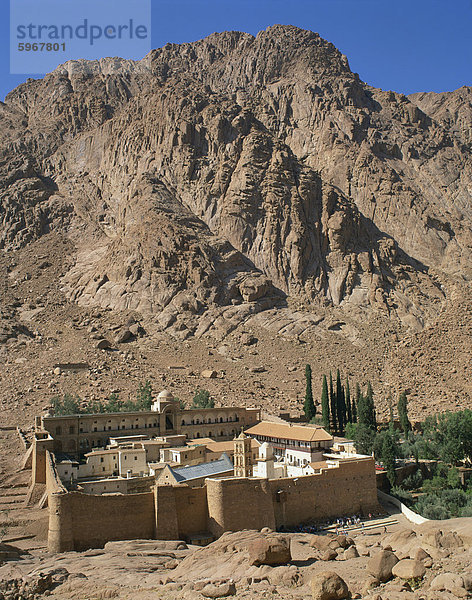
{"x": 180, "y": 511}
{"x": 235, "y": 504}
{"x": 239, "y": 503}
{"x": 79, "y": 521}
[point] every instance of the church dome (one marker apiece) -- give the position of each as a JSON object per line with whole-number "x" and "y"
{"x": 165, "y": 395}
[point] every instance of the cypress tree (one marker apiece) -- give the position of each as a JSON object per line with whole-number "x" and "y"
{"x": 354, "y": 404}
{"x": 370, "y": 407}
{"x": 348, "y": 402}
{"x": 402, "y": 407}
{"x": 388, "y": 457}
{"x": 309, "y": 406}
{"x": 332, "y": 401}
{"x": 340, "y": 403}
{"x": 325, "y": 403}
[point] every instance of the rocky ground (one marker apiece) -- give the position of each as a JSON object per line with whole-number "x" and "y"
{"x": 430, "y": 562}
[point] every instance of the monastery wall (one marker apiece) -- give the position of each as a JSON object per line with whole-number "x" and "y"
{"x": 180, "y": 511}
{"x": 239, "y": 503}
{"x": 79, "y": 521}
{"x": 235, "y": 504}
{"x": 347, "y": 489}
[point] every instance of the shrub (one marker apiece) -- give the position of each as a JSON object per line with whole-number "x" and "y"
{"x": 201, "y": 399}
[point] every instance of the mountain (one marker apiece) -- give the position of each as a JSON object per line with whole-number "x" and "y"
{"x": 244, "y": 181}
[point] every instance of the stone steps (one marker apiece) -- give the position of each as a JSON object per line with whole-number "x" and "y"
{"x": 15, "y": 499}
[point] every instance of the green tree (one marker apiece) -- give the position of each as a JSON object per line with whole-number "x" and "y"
{"x": 67, "y": 405}
{"x": 340, "y": 403}
{"x": 201, "y": 399}
{"x": 144, "y": 396}
{"x": 402, "y": 408}
{"x": 391, "y": 418}
{"x": 309, "y": 406}
{"x": 389, "y": 453}
{"x": 363, "y": 437}
{"x": 354, "y": 403}
{"x": 325, "y": 404}
{"x": 366, "y": 409}
{"x": 113, "y": 404}
{"x": 332, "y": 402}
{"x": 348, "y": 402}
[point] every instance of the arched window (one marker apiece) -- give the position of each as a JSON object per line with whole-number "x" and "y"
{"x": 183, "y": 422}
{"x": 221, "y": 419}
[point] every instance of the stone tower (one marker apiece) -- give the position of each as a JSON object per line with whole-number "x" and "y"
{"x": 242, "y": 456}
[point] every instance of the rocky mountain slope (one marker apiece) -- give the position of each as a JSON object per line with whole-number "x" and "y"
{"x": 245, "y": 182}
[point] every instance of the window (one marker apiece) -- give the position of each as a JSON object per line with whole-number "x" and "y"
{"x": 58, "y": 430}
{"x": 71, "y": 430}
{"x": 135, "y": 458}
{"x": 101, "y": 458}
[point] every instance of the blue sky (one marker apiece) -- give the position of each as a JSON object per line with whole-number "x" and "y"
{"x": 406, "y": 46}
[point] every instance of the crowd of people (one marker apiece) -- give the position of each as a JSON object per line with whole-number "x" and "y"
{"x": 341, "y": 526}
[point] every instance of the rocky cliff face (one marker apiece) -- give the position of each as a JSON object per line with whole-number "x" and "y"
{"x": 236, "y": 174}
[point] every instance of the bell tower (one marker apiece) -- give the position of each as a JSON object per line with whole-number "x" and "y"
{"x": 242, "y": 456}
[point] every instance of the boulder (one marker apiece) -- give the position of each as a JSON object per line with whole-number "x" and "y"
{"x": 329, "y": 554}
{"x": 135, "y": 329}
{"x": 419, "y": 553}
{"x": 327, "y": 585}
{"x": 409, "y": 569}
{"x": 123, "y": 335}
{"x": 320, "y": 542}
{"x": 253, "y": 288}
{"x": 287, "y": 575}
{"x": 381, "y": 564}
{"x": 399, "y": 540}
{"x": 350, "y": 552}
{"x": 221, "y": 590}
{"x": 209, "y": 374}
{"x": 369, "y": 584}
{"x": 247, "y": 339}
{"x": 103, "y": 344}
{"x": 447, "y": 582}
{"x": 274, "y": 550}
{"x": 442, "y": 540}
{"x": 342, "y": 541}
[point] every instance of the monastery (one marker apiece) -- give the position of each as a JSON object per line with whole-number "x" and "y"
{"x": 172, "y": 473}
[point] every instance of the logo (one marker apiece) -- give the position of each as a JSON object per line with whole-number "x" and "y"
{"x": 46, "y": 33}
